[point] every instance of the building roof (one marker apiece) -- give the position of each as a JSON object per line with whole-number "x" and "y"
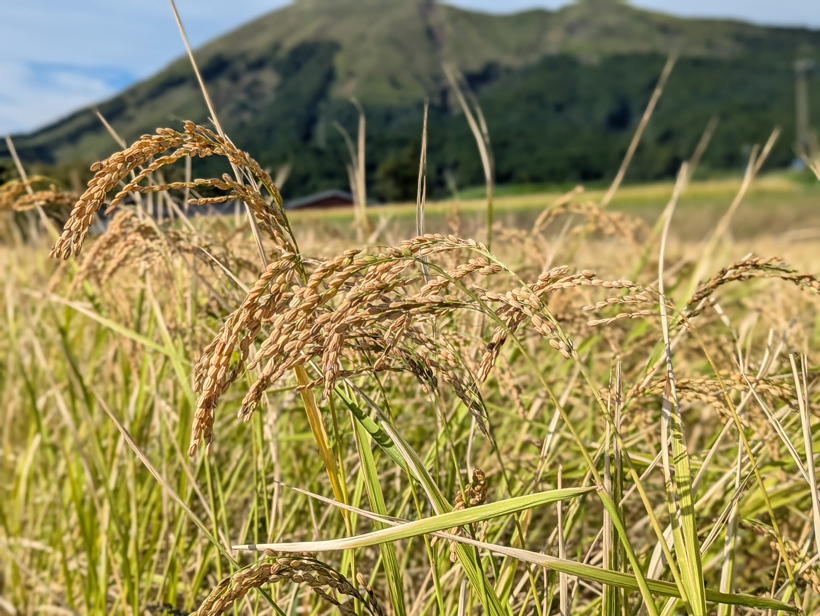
{"x": 325, "y": 195}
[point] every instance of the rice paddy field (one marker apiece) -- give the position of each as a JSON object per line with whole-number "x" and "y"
{"x": 606, "y": 410}
{"x": 581, "y": 402}
{"x": 776, "y": 205}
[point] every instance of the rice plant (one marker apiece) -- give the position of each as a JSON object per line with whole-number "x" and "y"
{"x": 427, "y": 426}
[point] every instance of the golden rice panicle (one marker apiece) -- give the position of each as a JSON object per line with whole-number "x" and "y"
{"x": 297, "y": 326}
{"x": 52, "y": 198}
{"x": 10, "y": 192}
{"x": 513, "y": 318}
{"x": 383, "y": 277}
{"x": 745, "y": 269}
{"x": 474, "y": 494}
{"x": 109, "y": 173}
{"x": 14, "y": 195}
{"x": 478, "y": 265}
{"x": 638, "y": 314}
{"x": 194, "y": 141}
{"x": 212, "y": 373}
{"x": 242, "y": 159}
{"x": 529, "y": 304}
{"x": 809, "y": 572}
{"x": 293, "y": 569}
{"x": 620, "y": 224}
{"x": 373, "y": 306}
{"x": 711, "y": 391}
{"x": 120, "y": 226}
{"x": 363, "y": 303}
{"x": 274, "y": 300}
{"x": 131, "y": 241}
{"x": 641, "y": 297}
{"x": 270, "y": 218}
{"x": 290, "y": 335}
{"x": 378, "y": 280}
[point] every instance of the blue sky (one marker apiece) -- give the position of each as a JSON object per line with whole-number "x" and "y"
{"x": 57, "y": 56}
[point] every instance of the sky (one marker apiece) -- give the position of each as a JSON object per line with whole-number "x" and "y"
{"x": 57, "y": 56}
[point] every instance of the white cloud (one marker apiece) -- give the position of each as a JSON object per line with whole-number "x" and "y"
{"x": 38, "y": 93}
{"x": 57, "y": 56}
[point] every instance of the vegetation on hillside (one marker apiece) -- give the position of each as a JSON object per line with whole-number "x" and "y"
{"x": 561, "y": 92}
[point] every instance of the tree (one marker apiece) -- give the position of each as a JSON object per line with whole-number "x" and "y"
{"x": 397, "y": 176}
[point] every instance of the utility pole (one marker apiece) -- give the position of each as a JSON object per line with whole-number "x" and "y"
{"x": 801, "y": 69}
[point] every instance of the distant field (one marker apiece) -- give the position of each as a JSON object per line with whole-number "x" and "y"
{"x": 774, "y": 205}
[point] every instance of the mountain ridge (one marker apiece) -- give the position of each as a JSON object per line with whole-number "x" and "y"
{"x": 280, "y": 81}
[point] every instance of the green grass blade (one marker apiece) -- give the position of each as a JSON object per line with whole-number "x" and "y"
{"x": 466, "y": 556}
{"x": 376, "y": 498}
{"x": 624, "y": 580}
{"x": 427, "y": 525}
{"x": 112, "y": 325}
{"x": 373, "y": 429}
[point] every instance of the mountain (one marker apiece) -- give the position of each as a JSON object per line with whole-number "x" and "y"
{"x": 561, "y": 92}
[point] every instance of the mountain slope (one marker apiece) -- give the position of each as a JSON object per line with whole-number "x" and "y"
{"x": 561, "y": 91}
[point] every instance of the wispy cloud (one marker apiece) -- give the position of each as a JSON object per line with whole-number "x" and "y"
{"x": 41, "y": 89}
{"x": 58, "y": 56}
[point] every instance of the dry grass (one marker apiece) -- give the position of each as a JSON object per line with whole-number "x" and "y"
{"x": 601, "y": 459}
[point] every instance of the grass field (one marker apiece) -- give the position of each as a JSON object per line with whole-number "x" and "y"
{"x": 430, "y": 427}
{"x": 603, "y": 403}
{"x": 776, "y": 204}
